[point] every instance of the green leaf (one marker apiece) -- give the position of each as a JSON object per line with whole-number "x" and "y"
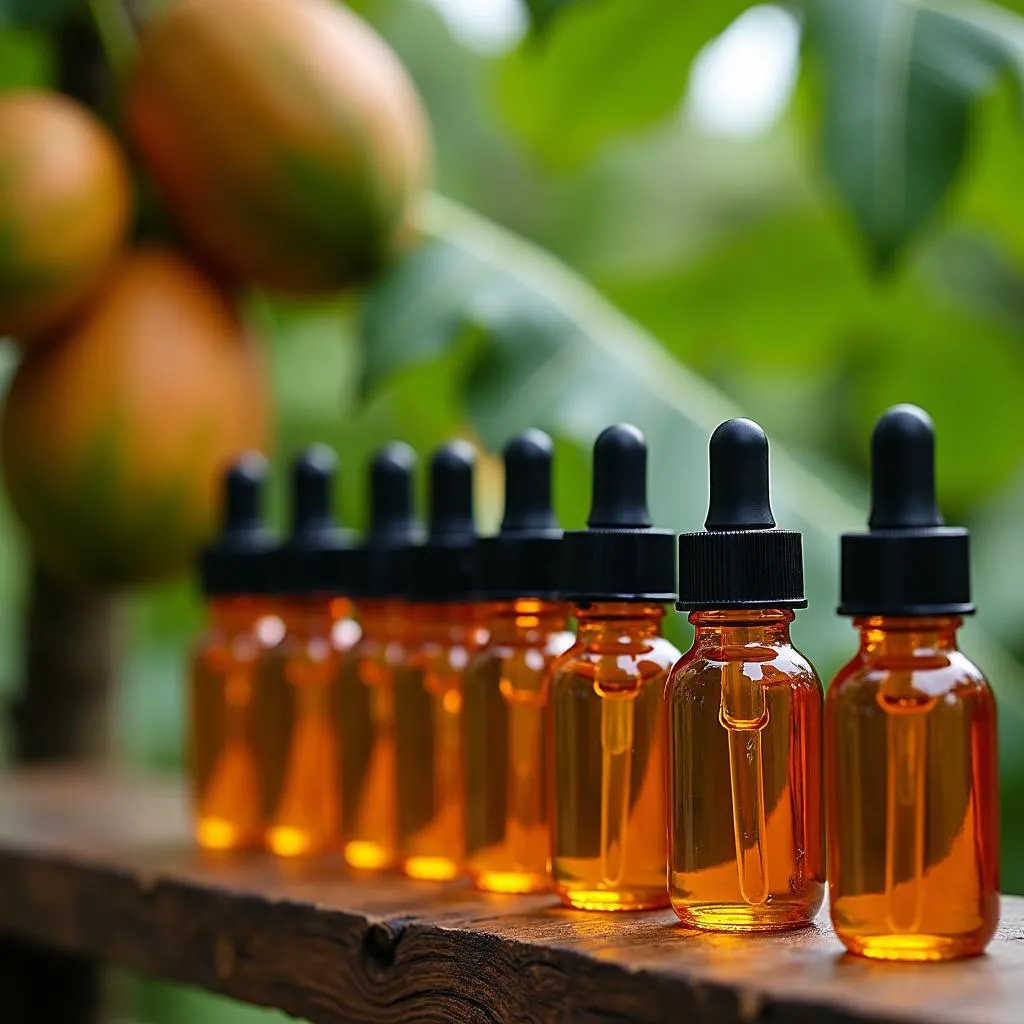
{"x": 543, "y": 12}
{"x": 604, "y": 69}
{"x": 899, "y": 80}
{"x": 26, "y": 58}
{"x": 36, "y": 12}
{"x": 548, "y": 351}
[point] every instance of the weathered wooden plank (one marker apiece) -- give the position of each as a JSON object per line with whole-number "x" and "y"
{"x": 103, "y": 867}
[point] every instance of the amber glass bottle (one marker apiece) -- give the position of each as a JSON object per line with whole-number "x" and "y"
{"x": 367, "y": 717}
{"x": 297, "y": 697}
{"x": 910, "y": 727}
{"x": 608, "y": 730}
{"x": 240, "y": 628}
{"x": 744, "y": 711}
{"x": 445, "y": 629}
{"x": 508, "y": 838}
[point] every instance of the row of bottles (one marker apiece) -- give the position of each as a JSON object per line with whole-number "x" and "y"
{"x": 419, "y": 701}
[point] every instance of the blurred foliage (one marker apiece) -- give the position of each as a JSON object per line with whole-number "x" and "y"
{"x": 605, "y": 251}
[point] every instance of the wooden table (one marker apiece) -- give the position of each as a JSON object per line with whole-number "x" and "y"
{"x": 103, "y": 867}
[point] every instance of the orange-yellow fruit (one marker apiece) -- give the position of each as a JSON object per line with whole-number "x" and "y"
{"x": 114, "y": 435}
{"x": 284, "y": 135}
{"x": 65, "y": 203}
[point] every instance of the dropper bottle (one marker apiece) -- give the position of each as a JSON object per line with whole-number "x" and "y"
{"x": 377, "y": 584}
{"x": 608, "y": 729}
{"x": 444, "y": 631}
{"x": 744, "y": 711}
{"x": 910, "y": 726}
{"x": 298, "y": 694}
{"x": 508, "y": 837}
{"x": 241, "y": 626}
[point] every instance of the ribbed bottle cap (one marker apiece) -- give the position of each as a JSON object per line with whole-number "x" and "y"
{"x": 619, "y": 557}
{"x": 740, "y": 560}
{"x": 522, "y": 559}
{"x": 236, "y": 561}
{"x": 445, "y": 566}
{"x": 312, "y": 559}
{"x": 380, "y": 566}
{"x": 908, "y": 563}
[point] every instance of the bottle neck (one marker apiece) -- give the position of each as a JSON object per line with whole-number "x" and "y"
{"x": 907, "y": 636}
{"x": 525, "y": 618}
{"x": 235, "y": 612}
{"x": 313, "y": 614}
{"x": 382, "y": 618}
{"x": 736, "y": 633}
{"x": 603, "y": 621}
{"x": 446, "y": 622}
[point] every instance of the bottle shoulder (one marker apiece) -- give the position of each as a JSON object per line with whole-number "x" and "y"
{"x": 934, "y": 674}
{"x": 774, "y": 666}
{"x": 652, "y": 655}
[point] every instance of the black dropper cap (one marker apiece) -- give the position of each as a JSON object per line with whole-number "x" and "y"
{"x": 522, "y": 559}
{"x": 908, "y": 563}
{"x": 380, "y": 567}
{"x": 445, "y": 567}
{"x": 236, "y": 561}
{"x": 740, "y": 559}
{"x": 619, "y": 557}
{"x": 313, "y": 558}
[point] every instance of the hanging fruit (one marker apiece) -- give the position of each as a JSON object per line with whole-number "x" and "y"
{"x": 64, "y": 210}
{"x": 285, "y": 137}
{"x": 114, "y": 434}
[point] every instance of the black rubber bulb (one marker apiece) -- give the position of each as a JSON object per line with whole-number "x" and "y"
{"x": 738, "y": 460}
{"x": 392, "y": 519}
{"x": 528, "y": 459}
{"x": 313, "y": 472}
{"x": 620, "y": 480}
{"x": 903, "y": 470}
{"x": 243, "y": 494}
{"x": 451, "y": 492}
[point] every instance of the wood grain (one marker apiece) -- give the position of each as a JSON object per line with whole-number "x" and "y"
{"x": 102, "y": 867}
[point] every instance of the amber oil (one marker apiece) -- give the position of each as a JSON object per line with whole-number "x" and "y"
{"x": 299, "y": 720}
{"x": 224, "y": 777}
{"x": 428, "y": 734}
{"x": 609, "y": 846}
{"x": 508, "y": 839}
{"x": 744, "y": 711}
{"x": 367, "y": 695}
{"x": 912, "y": 794}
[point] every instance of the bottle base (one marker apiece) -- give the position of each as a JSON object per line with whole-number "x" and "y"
{"x": 738, "y": 917}
{"x": 431, "y": 869}
{"x": 614, "y": 899}
{"x": 515, "y": 882}
{"x": 221, "y": 834}
{"x": 364, "y": 855}
{"x": 914, "y": 948}
{"x": 288, "y": 841}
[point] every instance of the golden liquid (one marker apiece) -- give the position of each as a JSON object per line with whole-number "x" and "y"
{"x": 298, "y": 709}
{"x": 505, "y": 704}
{"x": 367, "y": 696}
{"x": 223, "y": 770}
{"x": 428, "y": 735}
{"x": 912, "y": 790}
{"x": 745, "y": 805}
{"x": 608, "y": 757}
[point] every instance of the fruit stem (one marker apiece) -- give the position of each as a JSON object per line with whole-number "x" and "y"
{"x": 117, "y": 34}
